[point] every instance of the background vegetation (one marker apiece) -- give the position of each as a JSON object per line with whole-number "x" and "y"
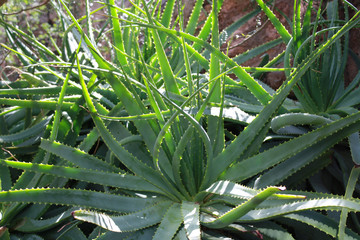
{"x": 134, "y": 125}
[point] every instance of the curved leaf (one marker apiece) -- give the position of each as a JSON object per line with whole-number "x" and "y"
{"x": 125, "y": 223}
{"x": 170, "y": 223}
{"x": 330, "y": 134}
{"x": 33, "y": 225}
{"x": 168, "y": 75}
{"x": 124, "y": 181}
{"x": 234, "y": 190}
{"x": 76, "y": 156}
{"x": 43, "y": 104}
{"x": 190, "y": 212}
{"x": 335, "y": 203}
{"x": 194, "y": 17}
{"x": 40, "y": 91}
{"x": 29, "y": 132}
{"x": 285, "y": 35}
{"x": 297, "y": 118}
{"x": 274, "y": 231}
{"x": 241, "y": 210}
{"x": 321, "y": 222}
{"x": 354, "y": 142}
{"x": 75, "y": 197}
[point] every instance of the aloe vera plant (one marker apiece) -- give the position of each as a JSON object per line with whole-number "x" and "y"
{"x": 139, "y": 146}
{"x": 321, "y": 92}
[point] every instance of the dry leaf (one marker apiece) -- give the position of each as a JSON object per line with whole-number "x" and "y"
{"x": 2, "y": 2}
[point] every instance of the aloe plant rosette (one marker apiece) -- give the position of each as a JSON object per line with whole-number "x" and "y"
{"x": 158, "y": 161}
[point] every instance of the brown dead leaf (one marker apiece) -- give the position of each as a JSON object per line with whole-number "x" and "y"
{"x": 2, "y": 2}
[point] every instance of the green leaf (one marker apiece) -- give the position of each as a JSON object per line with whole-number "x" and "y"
{"x": 170, "y": 224}
{"x": 29, "y": 132}
{"x": 4, "y": 233}
{"x": 32, "y": 225}
{"x": 181, "y": 167}
{"x": 332, "y": 203}
{"x": 124, "y": 181}
{"x": 143, "y": 234}
{"x": 40, "y": 91}
{"x": 194, "y": 17}
{"x": 76, "y": 156}
{"x": 331, "y": 134}
{"x": 43, "y": 104}
{"x": 285, "y": 35}
{"x": 241, "y": 21}
{"x": 297, "y": 119}
{"x": 125, "y": 223}
{"x": 241, "y": 210}
{"x": 262, "y": 95}
{"x": 214, "y": 60}
{"x": 227, "y": 188}
{"x": 73, "y": 232}
{"x": 354, "y": 142}
{"x": 321, "y": 222}
{"x": 81, "y": 198}
{"x": 274, "y": 231}
{"x": 167, "y": 73}
{"x": 26, "y": 237}
{"x": 166, "y": 17}
{"x": 350, "y": 188}
{"x": 117, "y": 34}
{"x": 249, "y": 54}
{"x": 190, "y": 212}
{"x": 296, "y": 165}
{"x": 5, "y": 179}
{"x": 131, "y": 162}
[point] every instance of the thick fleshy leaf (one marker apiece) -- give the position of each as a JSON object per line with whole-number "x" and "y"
{"x": 190, "y": 212}
{"x": 274, "y": 231}
{"x": 125, "y": 223}
{"x": 297, "y": 119}
{"x": 170, "y": 223}
{"x": 124, "y": 181}
{"x": 81, "y": 198}
{"x": 329, "y": 135}
{"x": 43, "y": 104}
{"x": 354, "y": 142}
{"x": 321, "y": 222}
{"x": 34, "y": 225}
{"x": 76, "y": 156}
{"x": 168, "y": 75}
{"x": 117, "y": 33}
{"x": 275, "y": 21}
{"x": 29, "y": 132}
{"x": 131, "y": 162}
{"x": 227, "y": 188}
{"x": 336, "y": 203}
{"x": 241, "y": 210}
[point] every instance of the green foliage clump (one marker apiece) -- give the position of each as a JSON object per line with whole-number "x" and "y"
{"x": 159, "y": 142}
